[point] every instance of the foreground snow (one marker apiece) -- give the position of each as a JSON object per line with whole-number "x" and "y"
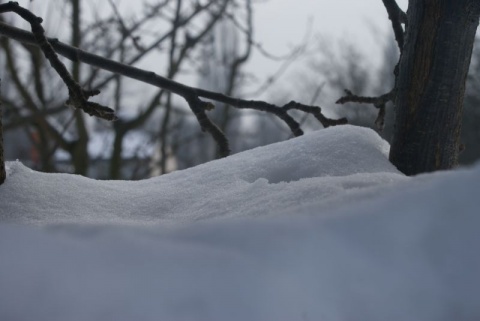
{"x": 321, "y": 227}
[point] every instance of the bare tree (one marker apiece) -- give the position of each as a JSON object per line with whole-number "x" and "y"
{"x": 221, "y": 59}
{"x": 181, "y": 42}
{"x": 114, "y": 36}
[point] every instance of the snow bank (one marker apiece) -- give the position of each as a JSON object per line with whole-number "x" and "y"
{"x": 330, "y": 231}
{"x": 257, "y": 182}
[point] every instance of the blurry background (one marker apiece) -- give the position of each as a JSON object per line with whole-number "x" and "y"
{"x": 276, "y": 50}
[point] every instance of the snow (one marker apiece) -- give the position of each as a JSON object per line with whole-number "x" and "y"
{"x": 320, "y": 227}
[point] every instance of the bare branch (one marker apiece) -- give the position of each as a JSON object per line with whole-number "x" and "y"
{"x": 397, "y": 16}
{"x": 379, "y": 102}
{"x": 376, "y": 101}
{"x": 191, "y": 94}
{"x": 316, "y": 112}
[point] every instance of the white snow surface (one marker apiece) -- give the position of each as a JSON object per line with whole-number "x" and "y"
{"x": 320, "y": 227}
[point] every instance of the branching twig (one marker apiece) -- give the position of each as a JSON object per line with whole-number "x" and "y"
{"x": 191, "y": 94}
{"x": 379, "y": 102}
{"x": 316, "y": 112}
{"x": 397, "y": 16}
{"x": 78, "y": 96}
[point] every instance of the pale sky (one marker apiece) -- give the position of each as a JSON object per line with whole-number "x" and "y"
{"x": 276, "y": 19}
{"x": 282, "y": 23}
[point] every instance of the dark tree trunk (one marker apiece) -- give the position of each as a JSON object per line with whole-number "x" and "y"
{"x": 2, "y": 161}
{"x": 431, "y": 84}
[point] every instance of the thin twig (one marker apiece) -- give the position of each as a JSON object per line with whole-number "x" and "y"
{"x": 376, "y": 101}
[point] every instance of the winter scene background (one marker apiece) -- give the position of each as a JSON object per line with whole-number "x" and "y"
{"x": 140, "y": 219}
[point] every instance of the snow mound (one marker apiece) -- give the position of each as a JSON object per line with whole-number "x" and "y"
{"x": 237, "y": 186}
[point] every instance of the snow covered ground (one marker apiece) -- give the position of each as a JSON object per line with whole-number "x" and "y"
{"x": 320, "y": 227}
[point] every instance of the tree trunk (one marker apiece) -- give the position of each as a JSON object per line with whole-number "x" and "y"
{"x": 3, "y": 175}
{"x": 431, "y": 84}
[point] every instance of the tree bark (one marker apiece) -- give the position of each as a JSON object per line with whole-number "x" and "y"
{"x": 3, "y": 174}
{"x": 431, "y": 84}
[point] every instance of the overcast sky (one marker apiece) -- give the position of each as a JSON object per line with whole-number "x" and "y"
{"x": 281, "y": 24}
{"x": 283, "y": 21}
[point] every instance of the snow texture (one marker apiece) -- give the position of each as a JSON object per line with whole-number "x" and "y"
{"x": 320, "y": 227}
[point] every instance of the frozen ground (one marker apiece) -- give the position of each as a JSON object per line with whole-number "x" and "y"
{"x": 321, "y": 227}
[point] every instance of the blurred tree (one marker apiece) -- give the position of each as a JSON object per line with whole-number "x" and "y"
{"x": 334, "y": 66}
{"x": 115, "y": 36}
{"x": 189, "y": 25}
{"x": 221, "y": 59}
